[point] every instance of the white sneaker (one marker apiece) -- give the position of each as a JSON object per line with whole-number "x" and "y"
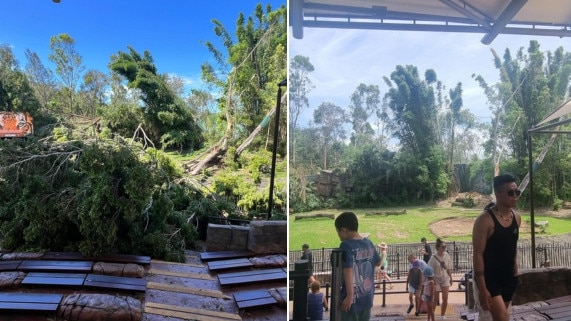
{"x": 443, "y": 317}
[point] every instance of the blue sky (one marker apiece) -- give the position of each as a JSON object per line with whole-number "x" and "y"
{"x": 174, "y": 31}
{"x": 344, "y": 58}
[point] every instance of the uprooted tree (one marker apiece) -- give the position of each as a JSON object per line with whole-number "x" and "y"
{"x": 98, "y": 197}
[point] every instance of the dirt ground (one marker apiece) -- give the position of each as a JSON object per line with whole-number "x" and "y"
{"x": 457, "y": 226}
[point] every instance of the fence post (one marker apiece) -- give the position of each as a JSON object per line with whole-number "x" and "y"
{"x": 398, "y": 265}
{"x": 300, "y": 277}
{"x": 322, "y": 259}
{"x": 336, "y": 278}
{"x": 327, "y": 293}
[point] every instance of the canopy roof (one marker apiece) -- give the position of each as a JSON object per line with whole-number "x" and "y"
{"x": 490, "y": 17}
{"x": 560, "y": 114}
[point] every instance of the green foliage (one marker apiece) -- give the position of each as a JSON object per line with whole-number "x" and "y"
{"x": 230, "y": 160}
{"x": 468, "y": 201}
{"x": 557, "y": 204}
{"x": 98, "y": 198}
{"x": 243, "y": 181}
{"x": 258, "y": 164}
{"x": 248, "y": 70}
{"x": 166, "y": 115}
{"x": 16, "y": 93}
{"x": 62, "y": 134}
{"x": 122, "y": 119}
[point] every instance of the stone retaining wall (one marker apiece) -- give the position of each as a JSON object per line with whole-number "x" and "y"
{"x": 261, "y": 237}
{"x": 542, "y": 284}
{"x": 226, "y": 237}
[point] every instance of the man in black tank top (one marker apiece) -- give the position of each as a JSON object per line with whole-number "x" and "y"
{"x": 494, "y": 241}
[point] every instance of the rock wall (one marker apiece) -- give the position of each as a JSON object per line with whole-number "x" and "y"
{"x": 261, "y": 237}
{"x": 268, "y": 237}
{"x": 542, "y": 284}
{"x": 226, "y": 237}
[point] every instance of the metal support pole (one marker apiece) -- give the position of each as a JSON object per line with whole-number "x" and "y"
{"x": 300, "y": 277}
{"x": 275, "y": 149}
{"x": 531, "y": 206}
{"x": 336, "y": 281}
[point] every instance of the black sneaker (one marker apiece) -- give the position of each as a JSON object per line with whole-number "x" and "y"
{"x": 409, "y": 308}
{"x": 417, "y": 313}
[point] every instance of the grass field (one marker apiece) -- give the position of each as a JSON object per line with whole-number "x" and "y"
{"x": 406, "y": 228}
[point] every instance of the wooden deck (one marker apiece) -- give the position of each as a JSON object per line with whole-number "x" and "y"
{"x": 229, "y": 264}
{"x": 111, "y": 258}
{"x": 558, "y": 309}
{"x": 253, "y": 276}
{"x": 254, "y": 298}
{"x": 30, "y": 302}
{"x": 224, "y": 255}
{"x": 55, "y": 266}
{"x": 41, "y": 279}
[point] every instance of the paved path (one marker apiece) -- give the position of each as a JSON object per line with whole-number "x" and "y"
{"x": 396, "y": 304}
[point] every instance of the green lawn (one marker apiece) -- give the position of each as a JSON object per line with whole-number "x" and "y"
{"x": 406, "y": 228}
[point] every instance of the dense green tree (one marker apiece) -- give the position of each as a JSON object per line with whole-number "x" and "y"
{"x": 530, "y": 87}
{"x": 16, "y": 94}
{"x": 248, "y": 70}
{"x": 412, "y": 103}
{"x": 168, "y": 120}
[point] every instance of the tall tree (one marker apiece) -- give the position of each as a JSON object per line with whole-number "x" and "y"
{"x": 41, "y": 79}
{"x": 330, "y": 119}
{"x": 69, "y": 65}
{"x": 530, "y": 87}
{"x": 93, "y": 91}
{"x": 365, "y": 102}
{"x": 248, "y": 72}
{"x": 168, "y": 119}
{"x": 413, "y": 105}
{"x": 299, "y": 87}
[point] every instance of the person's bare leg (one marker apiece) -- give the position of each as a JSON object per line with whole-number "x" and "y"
{"x": 499, "y": 309}
{"x": 444, "y": 303}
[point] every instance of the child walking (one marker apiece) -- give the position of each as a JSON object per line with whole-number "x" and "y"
{"x": 413, "y": 284}
{"x": 429, "y": 292}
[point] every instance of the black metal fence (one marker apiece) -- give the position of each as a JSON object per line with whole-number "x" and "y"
{"x": 555, "y": 254}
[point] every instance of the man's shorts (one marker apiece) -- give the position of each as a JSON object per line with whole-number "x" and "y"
{"x": 506, "y": 288}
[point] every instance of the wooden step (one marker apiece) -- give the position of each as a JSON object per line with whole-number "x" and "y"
{"x": 229, "y": 264}
{"x": 36, "y": 302}
{"x": 115, "y": 282}
{"x": 254, "y": 299}
{"x": 253, "y": 276}
{"x": 55, "y": 266}
{"x": 54, "y": 279}
{"x": 223, "y": 255}
{"x": 9, "y": 265}
{"x": 111, "y": 258}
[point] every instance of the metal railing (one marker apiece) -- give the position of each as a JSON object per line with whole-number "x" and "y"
{"x": 547, "y": 254}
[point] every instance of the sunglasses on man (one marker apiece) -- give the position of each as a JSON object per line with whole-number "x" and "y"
{"x": 513, "y": 192}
